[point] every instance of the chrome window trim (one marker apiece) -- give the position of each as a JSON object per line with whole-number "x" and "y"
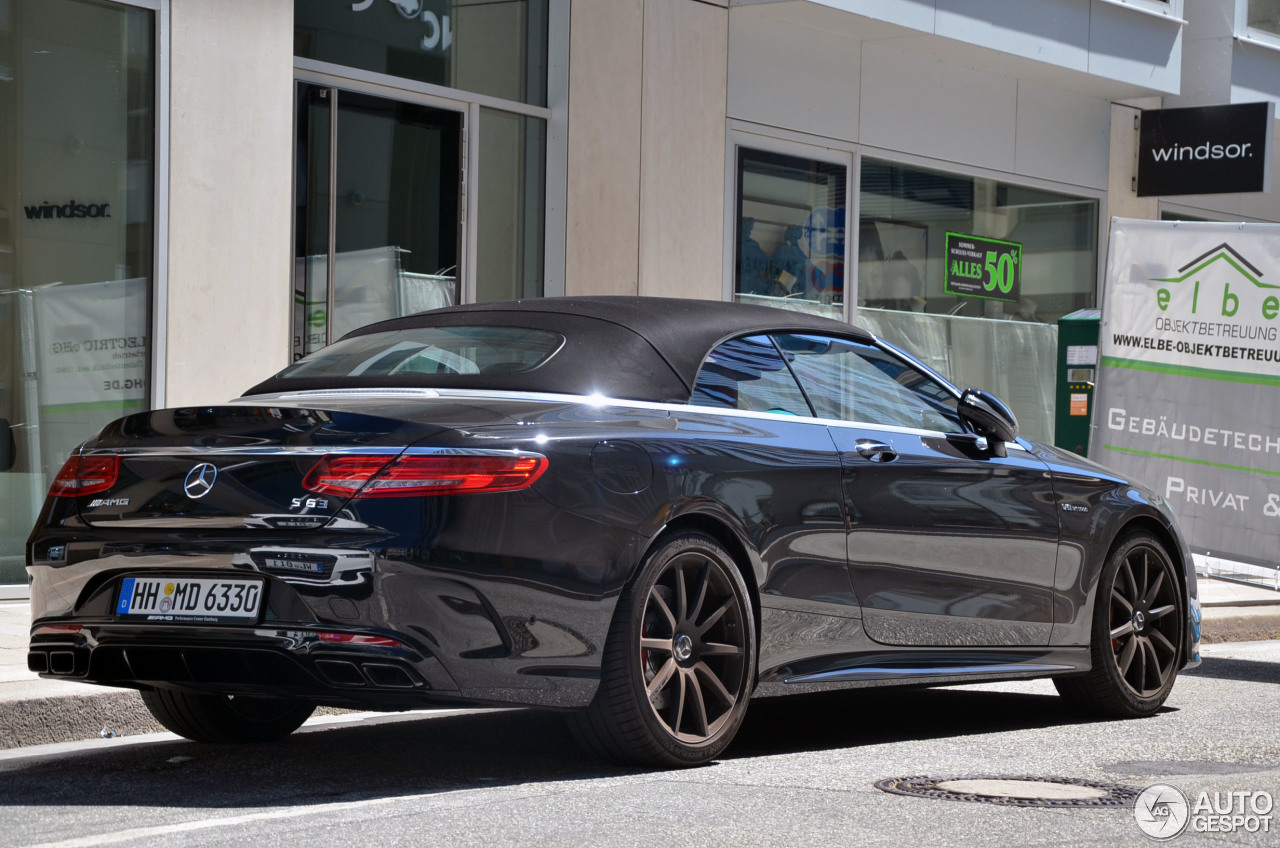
{"x": 602, "y": 401}
{"x": 306, "y": 450}
{"x": 364, "y": 393}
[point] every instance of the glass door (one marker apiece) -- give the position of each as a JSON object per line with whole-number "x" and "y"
{"x": 378, "y": 217}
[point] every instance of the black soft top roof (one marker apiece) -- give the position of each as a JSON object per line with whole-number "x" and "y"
{"x": 637, "y": 348}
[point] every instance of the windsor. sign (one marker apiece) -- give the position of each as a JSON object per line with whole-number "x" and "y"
{"x": 1205, "y": 150}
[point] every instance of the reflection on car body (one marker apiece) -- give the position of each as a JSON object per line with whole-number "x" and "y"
{"x": 308, "y": 565}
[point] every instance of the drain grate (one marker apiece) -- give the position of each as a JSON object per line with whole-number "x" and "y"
{"x": 1019, "y": 791}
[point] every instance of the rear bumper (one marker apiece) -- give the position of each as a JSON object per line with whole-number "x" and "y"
{"x": 261, "y": 661}
{"x": 483, "y": 615}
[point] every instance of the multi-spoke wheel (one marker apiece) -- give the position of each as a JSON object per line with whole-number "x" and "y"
{"x": 1137, "y": 633}
{"x": 679, "y": 663}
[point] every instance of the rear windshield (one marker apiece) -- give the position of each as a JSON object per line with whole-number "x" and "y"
{"x": 431, "y": 350}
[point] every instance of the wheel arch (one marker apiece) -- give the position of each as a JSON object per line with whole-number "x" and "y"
{"x": 1183, "y": 566}
{"x": 734, "y": 544}
{"x": 1146, "y": 523}
{"x": 1077, "y": 629}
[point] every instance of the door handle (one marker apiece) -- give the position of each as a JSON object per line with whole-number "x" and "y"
{"x": 876, "y": 451}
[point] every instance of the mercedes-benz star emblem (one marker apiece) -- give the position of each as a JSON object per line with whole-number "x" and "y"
{"x": 200, "y": 480}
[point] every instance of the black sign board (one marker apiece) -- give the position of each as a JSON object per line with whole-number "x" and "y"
{"x": 1205, "y": 150}
{"x": 983, "y": 267}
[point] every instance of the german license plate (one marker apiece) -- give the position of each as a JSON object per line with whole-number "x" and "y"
{"x": 192, "y": 599}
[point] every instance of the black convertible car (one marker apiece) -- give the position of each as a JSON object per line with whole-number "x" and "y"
{"x": 640, "y": 511}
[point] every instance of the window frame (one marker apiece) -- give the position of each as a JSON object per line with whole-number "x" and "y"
{"x": 1253, "y": 35}
{"x": 959, "y": 426}
{"x": 799, "y": 147}
{"x": 890, "y": 350}
{"x": 795, "y": 382}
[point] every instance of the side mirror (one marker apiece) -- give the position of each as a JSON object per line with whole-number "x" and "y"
{"x": 989, "y": 417}
{"x": 8, "y": 454}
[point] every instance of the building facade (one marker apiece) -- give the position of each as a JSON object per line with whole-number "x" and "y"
{"x": 195, "y": 192}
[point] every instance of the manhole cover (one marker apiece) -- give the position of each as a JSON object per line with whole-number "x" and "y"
{"x": 1014, "y": 791}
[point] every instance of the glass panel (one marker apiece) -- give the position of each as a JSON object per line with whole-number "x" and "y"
{"x": 394, "y": 210}
{"x": 511, "y": 189}
{"x": 1015, "y": 360}
{"x": 1265, "y": 15}
{"x": 749, "y": 374}
{"x": 857, "y": 382}
{"x": 790, "y": 250}
{"x": 432, "y": 350}
{"x": 494, "y": 48}
{"x": 906, "y": 212}
{"x": 77, "y": 130}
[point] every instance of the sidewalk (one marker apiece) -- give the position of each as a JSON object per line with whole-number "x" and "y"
{"x": 34, "y": 711}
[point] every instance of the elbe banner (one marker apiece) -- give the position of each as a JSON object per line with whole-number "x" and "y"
{"x": 1189, "y": 378}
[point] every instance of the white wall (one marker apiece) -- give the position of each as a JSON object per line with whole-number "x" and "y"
{"x": 1108, "y": 41}
{"x": 797, "y": 67}
{"x": 603, "y": 204}
{"x": 682, "y": 149}
{"x": 230, "y": 166}
{"x": 645, "y": 206}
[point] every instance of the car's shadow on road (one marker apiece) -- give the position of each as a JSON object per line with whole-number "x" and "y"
{"x": 1228, "y": 668}
{"x": 470, "y": 751}
{"x": 854, "y": 718}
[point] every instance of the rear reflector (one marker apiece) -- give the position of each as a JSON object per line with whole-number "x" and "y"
{"x": 56, "y": 629}
{"x": 415, "y": 476}
{"x": 358, "y": 639}
{"x": 85, "y": 475}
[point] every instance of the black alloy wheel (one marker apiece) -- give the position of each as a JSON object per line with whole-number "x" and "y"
{"x": 1137, "y": 633}
{"x": 680, "y": 661}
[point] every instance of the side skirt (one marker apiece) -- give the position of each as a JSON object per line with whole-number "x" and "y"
{"x": 924, "y": 668}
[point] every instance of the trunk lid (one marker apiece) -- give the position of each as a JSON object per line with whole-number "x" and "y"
{"x": 233, "y": 466}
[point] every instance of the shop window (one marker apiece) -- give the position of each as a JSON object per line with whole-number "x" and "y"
{"x": 77, "y": 131}
{"x": 905, "y": 216}
{"x": 498, "y": 49}
{"x": 790, "y": 245}
{"x": 970, "y": 275}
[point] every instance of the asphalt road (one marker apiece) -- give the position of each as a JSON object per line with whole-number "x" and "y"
{"x": 800, "y": 773}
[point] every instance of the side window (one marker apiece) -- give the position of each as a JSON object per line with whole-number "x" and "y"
{"x": 748, "y": 373}
{"x": 861, "y": 382}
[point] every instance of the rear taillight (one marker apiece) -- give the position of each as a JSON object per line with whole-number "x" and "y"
{"x": 413, "y": 475}
{"x": 85, "y": 475}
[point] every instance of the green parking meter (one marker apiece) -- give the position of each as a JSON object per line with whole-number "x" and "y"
{"x": 1077, "y": 377}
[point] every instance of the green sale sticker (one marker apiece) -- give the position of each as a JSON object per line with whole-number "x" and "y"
{"x": 983, "y": 267}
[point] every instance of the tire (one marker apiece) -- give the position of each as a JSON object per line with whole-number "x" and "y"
{"x": 1138, "y": 622}
{"x": 679, "y": 661}
{"x": 226, "y": 718}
